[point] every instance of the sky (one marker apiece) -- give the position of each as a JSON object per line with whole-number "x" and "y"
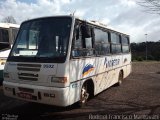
{"x": 121, "y": 15}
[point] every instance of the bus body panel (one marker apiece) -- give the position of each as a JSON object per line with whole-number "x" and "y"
{"x": 44, "y": 74}
{"x": 40, "y": 94}
{"x": 5, "y": 46}
{"x": 3, "y": 57}
{"x": 105, "y": 73}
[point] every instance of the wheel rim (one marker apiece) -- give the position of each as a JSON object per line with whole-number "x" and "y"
{"x": 84, "y": 95}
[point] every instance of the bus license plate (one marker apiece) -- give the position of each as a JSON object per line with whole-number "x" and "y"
{"x": 25, "y": 95}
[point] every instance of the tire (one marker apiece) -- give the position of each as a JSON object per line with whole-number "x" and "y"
{"x": 84, "y": 96}
{"x": 120, "y": 78}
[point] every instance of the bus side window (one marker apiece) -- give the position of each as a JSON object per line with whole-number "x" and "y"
{"x": 77, "y": 42}
{"x": 4, "y": 36}
{"x": 115, "y": 43}
{"x": 102, "y": 45}
{"x": 14, "y": 32}
{"x": 82, "y": 41}
{"x": 125, "y": 44}
{"x": 78, "y": 38}
{"x": 88, "y": 42}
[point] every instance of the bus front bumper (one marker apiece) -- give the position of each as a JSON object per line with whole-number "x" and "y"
{"x": 39, "y": 94}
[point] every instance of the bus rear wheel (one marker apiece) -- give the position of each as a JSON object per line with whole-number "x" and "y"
{"x": 84, "y": 96}
{"x": 120, "y": 78}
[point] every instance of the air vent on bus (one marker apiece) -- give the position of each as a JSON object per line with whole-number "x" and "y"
{"x": 29, "y": 67}
{"x": 28, "y": 76}
{"x": 24, "y": 68}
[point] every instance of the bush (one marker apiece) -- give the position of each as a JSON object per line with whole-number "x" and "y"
{"x": 150, "y": 57}
{"x": 140, "y": 58}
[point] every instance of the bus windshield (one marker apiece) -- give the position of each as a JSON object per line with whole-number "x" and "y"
{"x": 42, "y": 40}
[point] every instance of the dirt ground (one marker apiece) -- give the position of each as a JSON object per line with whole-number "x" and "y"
{"x": 137, "y": 98}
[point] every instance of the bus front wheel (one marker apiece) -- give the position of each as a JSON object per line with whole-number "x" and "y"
{"x": 84, "y": 95}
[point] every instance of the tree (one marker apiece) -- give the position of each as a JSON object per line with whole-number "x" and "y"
{"x": 151, "y": 6}
{"x": 139, "y": 50}
{"x": 9, "y": 19}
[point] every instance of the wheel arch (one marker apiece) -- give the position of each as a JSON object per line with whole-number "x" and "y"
{"x": 122, "y": 72}
{"x": 90, "y": 86}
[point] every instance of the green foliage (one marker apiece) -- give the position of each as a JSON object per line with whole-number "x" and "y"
{"x": 150, "y": 57}
{"x": 139, "y": 51}
{"x": 140, "y": 58}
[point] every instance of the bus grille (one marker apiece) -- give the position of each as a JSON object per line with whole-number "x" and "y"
{"x": 23, "y": 68}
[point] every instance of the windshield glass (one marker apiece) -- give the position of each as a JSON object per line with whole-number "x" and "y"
{"x": 41, "y": 39}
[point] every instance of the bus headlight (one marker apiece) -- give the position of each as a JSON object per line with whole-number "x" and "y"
{"x": 6, "y": 75}
{"x": 59, "y": 79}
{"x": 2, "y": 62}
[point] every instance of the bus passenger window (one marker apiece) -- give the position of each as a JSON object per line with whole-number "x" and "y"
{"x": 4, "y": 39}
{"x": 77, "y": 42}
{"x": 88, "y": 42}
{"x": 115, "y": 43}
{"x": 14, "y": 34}
{"x": 102, "y": 45}
{"x": 82, "y": 43}
{"x": 125, "y": 44}
{"x": 4, "y": 36}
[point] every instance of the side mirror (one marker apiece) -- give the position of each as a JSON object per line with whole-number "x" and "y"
{"x": 86, "y": 31}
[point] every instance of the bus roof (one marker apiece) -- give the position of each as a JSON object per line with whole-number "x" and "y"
{"x": 95, "y": 23}
{"x": 8, "y": 25}
{"x": 103, "y": 26}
